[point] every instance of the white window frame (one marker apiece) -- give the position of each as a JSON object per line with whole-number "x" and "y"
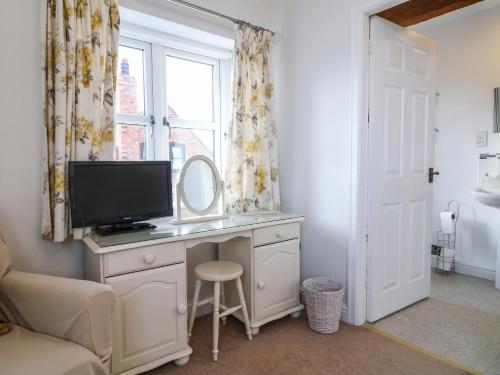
{"x": 215, "y": 124}
{"x": 157, "y": 46}
{"x": 142, "y": 120}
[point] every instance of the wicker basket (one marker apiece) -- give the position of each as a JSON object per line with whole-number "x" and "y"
{"x": 324, "y": 299}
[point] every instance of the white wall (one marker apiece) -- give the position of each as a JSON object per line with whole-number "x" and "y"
{"x": 314, "y": 130}
{"x": 21, "y": 131}
{"x": 21, "y": 146}
{"x": 468, "y": 70}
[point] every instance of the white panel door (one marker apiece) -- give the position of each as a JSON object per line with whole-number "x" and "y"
{"x": 149, "y": 319}
{"x": 402, "y": 100}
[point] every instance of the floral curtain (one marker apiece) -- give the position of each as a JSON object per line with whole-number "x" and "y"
{"x": 252, "y": 181}
{"x": 79, "y": 56}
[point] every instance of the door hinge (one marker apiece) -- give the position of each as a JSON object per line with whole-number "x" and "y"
{"x": 369, "y": 48}
{"x": 366, "y": 238}
{"x": 152, "y": 121}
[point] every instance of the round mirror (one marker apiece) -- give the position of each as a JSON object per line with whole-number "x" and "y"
{"x": 200, "y": 185}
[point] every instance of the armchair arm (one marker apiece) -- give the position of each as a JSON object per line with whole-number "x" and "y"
{"x": 74, "y": 310}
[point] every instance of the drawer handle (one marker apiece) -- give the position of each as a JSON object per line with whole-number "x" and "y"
{"x": 261, "y": 284}
{"x": 149, "y": 259}
{"x": 280, "y": 234}
{"x": 181, "y": 309}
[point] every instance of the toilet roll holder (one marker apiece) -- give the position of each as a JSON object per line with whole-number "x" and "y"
{"x": 444, "y": 253}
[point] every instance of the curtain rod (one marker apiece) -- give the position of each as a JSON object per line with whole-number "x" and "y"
{"x": 216, "y": 14}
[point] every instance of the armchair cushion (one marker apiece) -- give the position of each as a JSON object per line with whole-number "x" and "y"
{"x": 26, "y": 352}
{"x": 74, "y": 310}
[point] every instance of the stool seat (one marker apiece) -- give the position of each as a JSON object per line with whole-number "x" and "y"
{"x": 218, "y": 271}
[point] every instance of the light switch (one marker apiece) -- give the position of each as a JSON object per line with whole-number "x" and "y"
{"x": 482, "y": 138}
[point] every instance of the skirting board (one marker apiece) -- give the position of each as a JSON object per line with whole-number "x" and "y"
{"x": 469, "y": 269}
{"x": 465, "y": 268}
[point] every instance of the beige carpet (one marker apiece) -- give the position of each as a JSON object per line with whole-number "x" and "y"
{"x": 289, "y": 347}
{"x": 461, "y": 321}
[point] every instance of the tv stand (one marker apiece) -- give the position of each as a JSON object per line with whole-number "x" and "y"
{"x": 105, "y": 230}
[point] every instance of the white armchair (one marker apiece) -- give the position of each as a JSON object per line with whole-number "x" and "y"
{"x": 58, "y": 325}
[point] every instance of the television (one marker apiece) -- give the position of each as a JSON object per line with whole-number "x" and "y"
{"x": 114, "y": 196}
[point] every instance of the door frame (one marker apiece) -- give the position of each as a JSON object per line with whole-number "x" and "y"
{"x": 361, "y": 12}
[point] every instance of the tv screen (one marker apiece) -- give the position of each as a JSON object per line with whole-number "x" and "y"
{"x": 105, "y": 193}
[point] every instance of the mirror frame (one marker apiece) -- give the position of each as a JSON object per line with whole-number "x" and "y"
{"x": 181, "y": 194}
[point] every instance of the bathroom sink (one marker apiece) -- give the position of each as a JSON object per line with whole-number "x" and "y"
{"x": 487, "y": 196}
{"x": 490, "y": 197}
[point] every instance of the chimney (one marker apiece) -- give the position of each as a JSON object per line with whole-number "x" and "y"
{"x": 124, "y": 67}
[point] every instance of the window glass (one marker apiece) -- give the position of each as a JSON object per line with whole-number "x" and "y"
{"x": 189, "y": 89}
{"x": 130, "y": 88}
{"x": 130, "y": 142}
{"x": 185, "y": 143}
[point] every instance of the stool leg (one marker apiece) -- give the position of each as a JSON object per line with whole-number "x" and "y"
{"x": 193, "y": 306}
{"x": 215, "y": 351}
{"x": 223, "y": 301}
{"x": 244, "y": 307}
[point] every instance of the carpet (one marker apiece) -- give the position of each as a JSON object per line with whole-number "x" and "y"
{"x": 288, "y": 346}
{"x": 460, "y": 321}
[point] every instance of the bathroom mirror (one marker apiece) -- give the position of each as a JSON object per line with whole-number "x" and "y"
{"x": 496, "y": 110}
{"x": 199, "y": 190}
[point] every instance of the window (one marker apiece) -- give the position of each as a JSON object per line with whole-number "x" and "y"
{"x": 172, "y": 102}
{"x": 192, "y": 96}
{"x": 172, "y": 99}
{"x": 134, "y": 101}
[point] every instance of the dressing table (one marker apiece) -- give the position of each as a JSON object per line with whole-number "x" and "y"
{"x": 147, "y": 271}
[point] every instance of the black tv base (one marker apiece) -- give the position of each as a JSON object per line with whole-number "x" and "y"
{"x": 105, "y": 230}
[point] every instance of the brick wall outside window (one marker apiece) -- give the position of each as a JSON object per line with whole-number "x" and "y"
{"x": 131, "y": 139}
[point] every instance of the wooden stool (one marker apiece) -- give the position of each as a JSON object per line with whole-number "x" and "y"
{"x": 219, "y": 272}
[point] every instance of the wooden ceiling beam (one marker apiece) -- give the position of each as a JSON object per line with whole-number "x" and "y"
{"x": 416, "y": 11}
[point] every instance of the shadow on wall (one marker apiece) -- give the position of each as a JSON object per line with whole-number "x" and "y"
{"x": 325, "y": 247}
{"x": 472, "y": 234}
{"x": 58, "y": 259}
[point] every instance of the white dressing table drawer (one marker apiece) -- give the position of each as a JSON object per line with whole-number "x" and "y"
{"x": 143, "y": 258}
{"x": 276, "y": 233}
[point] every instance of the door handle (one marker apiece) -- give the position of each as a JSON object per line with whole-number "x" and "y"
{"x": 167, "y": 124}
{"x": 432, "y": 173}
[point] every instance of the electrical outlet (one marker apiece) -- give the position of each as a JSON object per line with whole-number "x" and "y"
{"x": 482, "y": 138}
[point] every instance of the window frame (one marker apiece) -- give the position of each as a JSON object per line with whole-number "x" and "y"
{"x": 157, "y": 46}
{"x": 142, "y": 120}
{"x": 214, "y": 125}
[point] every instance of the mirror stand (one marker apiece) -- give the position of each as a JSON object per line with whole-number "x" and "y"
{"x": 199, "y": 191}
